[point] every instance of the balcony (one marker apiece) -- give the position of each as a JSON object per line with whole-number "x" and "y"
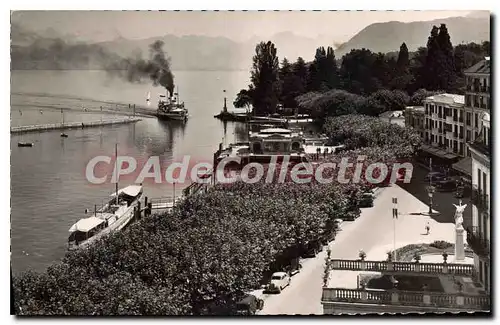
{"x": 433, "y": 300}
{"x": 477, "y": 242}
{"x": 449, "y": 119}
{"x": 480, "y": 199}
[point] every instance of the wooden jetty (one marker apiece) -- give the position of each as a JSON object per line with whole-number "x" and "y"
{"x": 71, "y": 125}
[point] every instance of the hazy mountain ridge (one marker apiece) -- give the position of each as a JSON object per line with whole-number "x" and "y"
{"x": 49, "y": 49}
{"x": 388, "y": 36}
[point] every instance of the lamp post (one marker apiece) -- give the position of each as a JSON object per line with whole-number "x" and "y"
{"x": 430, "y": 192}
{"x": 430, "y": 188}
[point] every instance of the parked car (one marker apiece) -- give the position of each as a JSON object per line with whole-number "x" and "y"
{"x": 435, "y": 177}
{"x": 249, "y": 305}
{"x": 295, "y": 266}
{"x": 313, "y": 248}
{"x": 367, "y": 200}
{"x": 279, "y": 280}
{"x": 449, "y": 185}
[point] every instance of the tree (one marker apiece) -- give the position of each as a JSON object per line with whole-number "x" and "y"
{"x": 331, "y": 72}
{"x": 439, "y": 68}
{"x": 244, "y": 98}
{"x": 265, "y": 79}
{"x": 356, "y": 72}
{"x": 403, "y": 58}
{"x": 385, "y": 100}
{"x": 417, "y": 99}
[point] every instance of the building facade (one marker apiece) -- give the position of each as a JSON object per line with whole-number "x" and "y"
{"x": 477, "y": 98}
{"x": 479, "y": 236}
{"x": 415, "y": 118}
{"x": 444, "y": 123}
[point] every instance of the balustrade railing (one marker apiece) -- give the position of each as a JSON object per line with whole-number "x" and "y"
{"x": 385, "y": 266}
{"x": 407, "y": 298}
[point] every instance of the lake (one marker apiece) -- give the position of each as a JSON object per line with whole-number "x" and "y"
{"x": 49, "y": 190}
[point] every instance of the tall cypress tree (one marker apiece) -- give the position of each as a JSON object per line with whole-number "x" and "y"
{"x": 403, "y": 58}
{"x": 265, "y": 78}
{"x": 332, "y": 73}
{"x": 446, "y": 65}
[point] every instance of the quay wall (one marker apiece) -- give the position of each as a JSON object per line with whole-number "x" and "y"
{"x": 71, "y": 125}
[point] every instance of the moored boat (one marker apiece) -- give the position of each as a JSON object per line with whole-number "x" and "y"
{"x": 113, "y": 216}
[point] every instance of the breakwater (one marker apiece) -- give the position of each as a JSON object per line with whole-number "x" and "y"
{"x": 71, "y": 125}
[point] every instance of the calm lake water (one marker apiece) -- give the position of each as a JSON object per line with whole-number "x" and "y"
{"x": 49, "y": 190}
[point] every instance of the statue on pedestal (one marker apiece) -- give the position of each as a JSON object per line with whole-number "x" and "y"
{"x": 459, "y": 220}
{"x": 459, "y": 231}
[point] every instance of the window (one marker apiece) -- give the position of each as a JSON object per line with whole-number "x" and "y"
{"x": 476, "y": 117}
{"x": 461, "y": 131}
{"x": 467, "y": 119}
{"x": 479, "y": 178}
{"x": 468, "y": 136}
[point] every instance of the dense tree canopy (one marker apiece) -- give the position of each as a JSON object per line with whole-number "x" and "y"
{"x": 437, "y": 66}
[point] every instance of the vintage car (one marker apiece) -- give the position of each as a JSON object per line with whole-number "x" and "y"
{"x": 249, "y": 305}
{"x": 279, "y": 280}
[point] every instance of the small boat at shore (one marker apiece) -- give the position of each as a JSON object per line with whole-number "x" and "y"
{"x": 25, "y": 144}
{"x": 113, "y": 216}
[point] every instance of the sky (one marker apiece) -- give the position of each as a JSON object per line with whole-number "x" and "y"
{"x": 238, "y": 26}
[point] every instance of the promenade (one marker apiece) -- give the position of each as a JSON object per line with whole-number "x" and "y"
{"x": 372, "y": 232}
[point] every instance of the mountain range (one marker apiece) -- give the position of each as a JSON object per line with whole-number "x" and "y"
{"x": 388, "y": 36}
{"x": 50, "y": 49}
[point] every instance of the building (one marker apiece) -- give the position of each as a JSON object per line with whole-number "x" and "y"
{"x": 477, "y": 103}
{"x": 477, "y": 98}
{"x": 415, "y": 118}
{"x": 479, "y": 236}
{"x": 444, "y": 125}
{"x": 275, "y": 141}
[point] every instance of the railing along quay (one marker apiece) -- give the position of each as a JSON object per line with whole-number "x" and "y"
{"x": 407, "y": 298}
{"x": 71, "y": 125}
{"x": 413, "y": 267}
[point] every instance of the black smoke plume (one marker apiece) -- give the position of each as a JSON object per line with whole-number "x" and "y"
{"x": 157, "y": 68}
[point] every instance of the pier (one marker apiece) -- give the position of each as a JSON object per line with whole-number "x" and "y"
{"x": 71, "y": 125}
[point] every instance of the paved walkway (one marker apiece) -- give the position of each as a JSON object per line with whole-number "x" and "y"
{"x": 372, "y": 232}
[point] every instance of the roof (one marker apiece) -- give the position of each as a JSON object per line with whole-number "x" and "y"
{"x": 275, "y": 130}
{"x": 389, "y": 114}
{"x": 464, "y": 166}
{"x": 438, "y": 152}
{"x": 84, "y": 225}
{"x": 447, "y": 98}
{"x": 132, "y": 190}
{"x": 279, "y": 273}
{"x": 415, "y": 108}
{"x": 482, "y": 67}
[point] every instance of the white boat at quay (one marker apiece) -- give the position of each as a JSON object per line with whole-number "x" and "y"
{"x": 113, "y": 216}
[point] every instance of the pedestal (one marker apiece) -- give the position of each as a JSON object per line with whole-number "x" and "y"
{"x": 459, "y": 244}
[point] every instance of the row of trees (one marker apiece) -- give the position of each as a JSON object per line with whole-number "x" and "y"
{"x": 436, "y": 67}
{"x": 337, "y": 102}
{"x": 201, "y": 258}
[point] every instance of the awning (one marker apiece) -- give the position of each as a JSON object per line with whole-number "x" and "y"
{"x": 464, "y": 166}
{"x": 132, "y": 190}
{"x": 85, "y": 225}
{"x": 438, "y": 152}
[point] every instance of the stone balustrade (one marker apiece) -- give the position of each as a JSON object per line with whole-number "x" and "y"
{"x": 459, "y": 301}
{"x": 403, "y": 267}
